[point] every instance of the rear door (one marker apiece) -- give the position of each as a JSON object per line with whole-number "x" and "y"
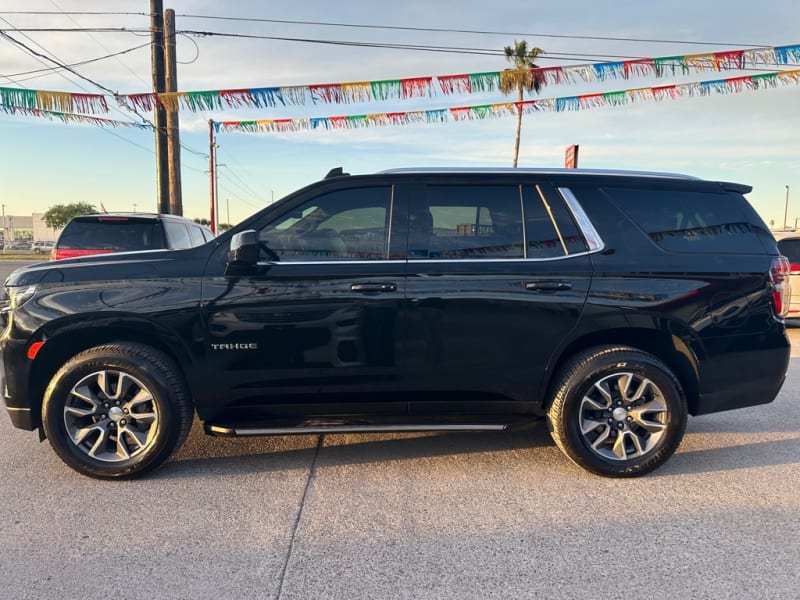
{"x": 498, "y": 274}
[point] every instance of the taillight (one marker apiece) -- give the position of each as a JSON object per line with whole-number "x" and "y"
{"x": 794, "y": 269}
{"x": 782, "y": 290}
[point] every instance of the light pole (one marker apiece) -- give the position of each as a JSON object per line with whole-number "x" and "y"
{"x": 785, "y": 208}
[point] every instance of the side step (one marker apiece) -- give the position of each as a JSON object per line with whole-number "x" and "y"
{"x": 301, "y": 429}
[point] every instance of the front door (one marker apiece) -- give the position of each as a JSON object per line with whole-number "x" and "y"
{"x": 316, "y": 329}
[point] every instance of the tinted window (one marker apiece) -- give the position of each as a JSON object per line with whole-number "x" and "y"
{"x": 178, "y": 235}
{"x": 467, "y": 222}
{"x": 196, "y": 235}
{"x": 347, "y": 224}
{"x": 790, "y": 248}
{"x": 690, "y": 221}
{"x": 549, "y": 229}
{"x": 111, "y": 233}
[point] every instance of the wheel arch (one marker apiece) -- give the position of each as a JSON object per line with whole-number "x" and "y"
{"x": 69, "y": 339}
{"x": 671, "y": 349}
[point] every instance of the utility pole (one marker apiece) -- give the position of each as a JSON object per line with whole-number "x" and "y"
{"x": 212, "y": 170}
{"x": 159, "y": 87}
{"x": 172, "y": 122}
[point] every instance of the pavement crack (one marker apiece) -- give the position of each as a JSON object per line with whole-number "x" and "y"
{"x": 312, "y": 473}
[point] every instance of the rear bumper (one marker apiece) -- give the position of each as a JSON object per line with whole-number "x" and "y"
{"x": 749, "y": 376}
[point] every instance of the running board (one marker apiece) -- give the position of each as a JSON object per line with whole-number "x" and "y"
{"x": 224, "y": 430}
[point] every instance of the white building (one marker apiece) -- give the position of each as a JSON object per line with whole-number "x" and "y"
{"x": 41, "y": 232}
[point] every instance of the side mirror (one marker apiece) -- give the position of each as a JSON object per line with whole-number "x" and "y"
{"x": 244, "y": 249}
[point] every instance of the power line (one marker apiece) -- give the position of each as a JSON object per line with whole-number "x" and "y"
{"x": 389, "y": 27}
{"x": 75, "y": 13}
{"x": 50, "y": 70}
{"x": 62, "y": 65}
{"x": 99, "y": 43}
{"x": 469, "y": 31}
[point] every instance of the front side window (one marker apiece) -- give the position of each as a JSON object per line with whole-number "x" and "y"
{"x": 467, "y": 222}
{"x": 350, "y": 224}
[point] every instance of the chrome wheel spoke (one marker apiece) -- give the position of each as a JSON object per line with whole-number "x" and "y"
{"x": 589, "y": 424}
{"x": 602, "y": 438}
{"x": 140, "y": 406}
{"x": 81, "y": 434}
{"x": 602, "y": 387}
{"x": 100, "y": 442}
{"x": 132, "y": 438}
{"x": 644, "y": 415}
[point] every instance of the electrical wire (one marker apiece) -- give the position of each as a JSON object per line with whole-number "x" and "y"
{"x": 99, "y": 43}
{"x": 50, "y": 70}
{"x": 396, "y": 27}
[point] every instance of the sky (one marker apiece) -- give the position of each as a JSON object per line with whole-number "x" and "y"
{"x": 749, "y": 137}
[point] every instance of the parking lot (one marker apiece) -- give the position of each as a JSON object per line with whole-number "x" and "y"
{"x": 484, "y": 515}
{"x": 412, "y": 516}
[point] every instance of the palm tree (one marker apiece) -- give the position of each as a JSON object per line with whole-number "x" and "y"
{"x": 520, "y": 78}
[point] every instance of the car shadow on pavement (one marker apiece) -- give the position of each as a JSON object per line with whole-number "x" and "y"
{"x": 755, "y": 455}
{"x": 229, "y": 456}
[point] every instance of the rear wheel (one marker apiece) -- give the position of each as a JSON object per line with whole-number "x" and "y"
{"x": 617, "y": 411}
{"x": 117, "y": 410}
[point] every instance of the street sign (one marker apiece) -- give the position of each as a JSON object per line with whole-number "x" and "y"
{"x": 571, "y": 157}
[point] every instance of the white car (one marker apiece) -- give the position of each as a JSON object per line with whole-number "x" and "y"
{"x": 789, "y": 246}
{"x": 42, "y": 247}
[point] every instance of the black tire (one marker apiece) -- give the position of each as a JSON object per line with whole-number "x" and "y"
{"x": 117, "y": 411}
{"x": 617, "y": 411}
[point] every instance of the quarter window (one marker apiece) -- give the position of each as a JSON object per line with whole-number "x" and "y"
{"x": 549, "y": 230}
{"x": 349, "y": 224}
{"x": 690, "y": 221}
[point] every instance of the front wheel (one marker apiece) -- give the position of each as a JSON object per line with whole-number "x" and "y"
{"x": 117, "y": 410}
{"x": 617, "y": 411}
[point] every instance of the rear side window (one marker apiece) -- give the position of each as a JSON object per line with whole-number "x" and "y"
{"x": 468, "y": 222}
{"x": 197, "y": 236}
{"x": 178, "y": 235}
{"x": 116, "y": 234}
{"x": 790, "y": 248}
{"x": 685, "y": 221}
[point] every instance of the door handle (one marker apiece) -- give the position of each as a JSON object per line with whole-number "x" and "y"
{"x": 548, "y": 286}
{"x": 373, "y": 288}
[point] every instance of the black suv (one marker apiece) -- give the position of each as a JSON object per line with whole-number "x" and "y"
{"x": 611, "y": 303}
{"x": 104, "y": 233}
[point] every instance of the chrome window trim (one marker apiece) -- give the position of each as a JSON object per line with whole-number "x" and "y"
{"x": 330, "y": 262}
{"x": 590, "y": 234}
{"x": 420, "y": 261}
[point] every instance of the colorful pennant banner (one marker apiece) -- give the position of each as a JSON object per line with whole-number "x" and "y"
{"x": 70, "y": 117}
{"x": 489, "y": 111}
{"x": 401, "y": 89}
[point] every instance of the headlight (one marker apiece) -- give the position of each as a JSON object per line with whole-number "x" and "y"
{"x": 16, "y": 297}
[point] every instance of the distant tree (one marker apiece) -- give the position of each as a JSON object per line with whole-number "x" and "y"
{"x": 520, "y": 78}
{"x": 59, "y": 215}
{"x": 221, "y": 227}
